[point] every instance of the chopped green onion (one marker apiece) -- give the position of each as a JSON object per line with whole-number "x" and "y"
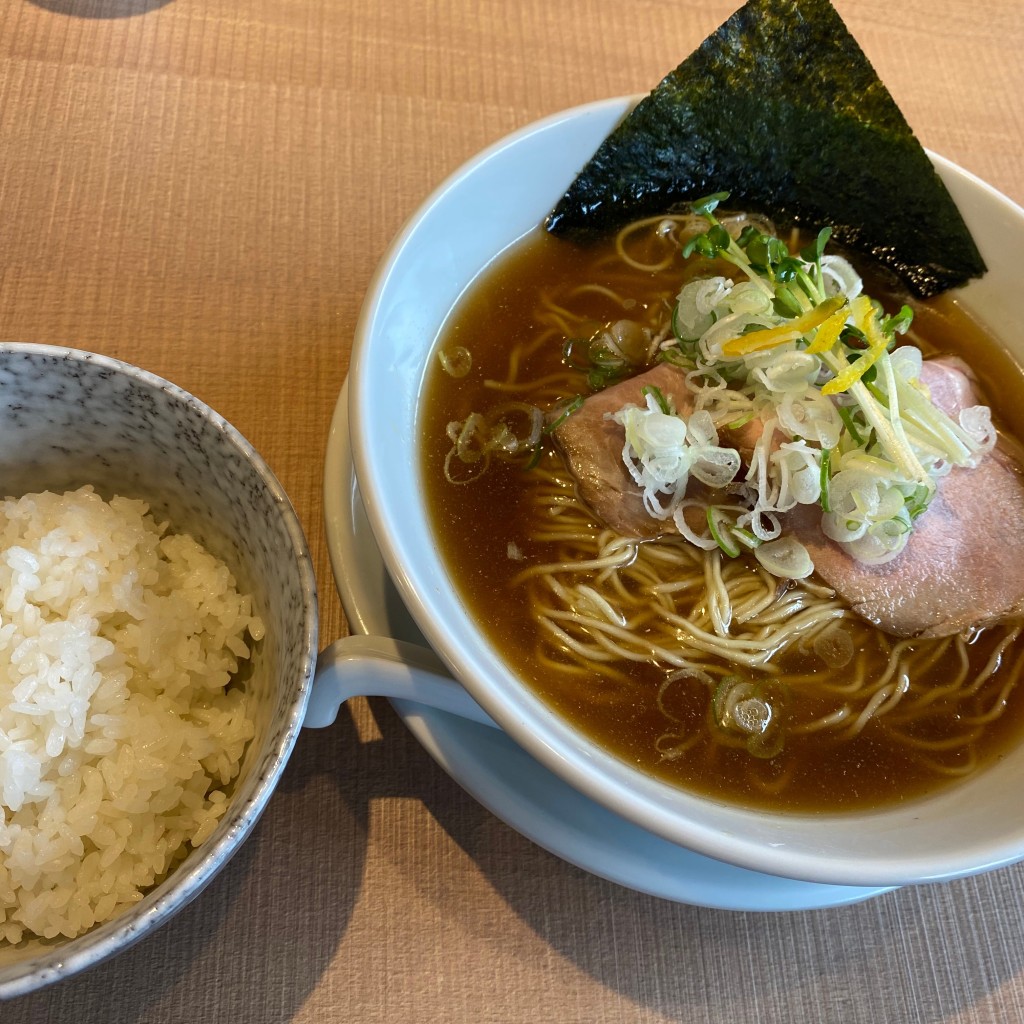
{"x": 719, "y": 535}
{"x": 741, "y": 422}
{"x": 918, "y": 502}
{"x": 751, "y": 711}
{"x": 850, "y": 339}
{"x": 593, "y": 357}
{"x": 677, "y": 357}
{"x": 746, "y": 538}
{"x": 826, "y": 462}
{"x": 571, "y": 406}
{"x": 719, "y": 700}
{"x": 568, "y": 407}
{"x": 846, "y": 415}
{"x": 659, "y": 397}
{"x": 675, "y": 323}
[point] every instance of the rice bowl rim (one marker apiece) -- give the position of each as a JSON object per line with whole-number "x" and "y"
{"x": 186, "y": 881}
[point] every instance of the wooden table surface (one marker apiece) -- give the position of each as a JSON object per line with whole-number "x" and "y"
{"x": 203, "y": 187}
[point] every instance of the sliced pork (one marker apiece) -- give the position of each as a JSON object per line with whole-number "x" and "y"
{"x": 591, "y": 444}
{"x": 950, "y": 384}
{"x": 963, "y": 564}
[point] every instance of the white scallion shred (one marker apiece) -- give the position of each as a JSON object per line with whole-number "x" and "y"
{"x": 835, "y": 414}
{"x": 662, "y": 451}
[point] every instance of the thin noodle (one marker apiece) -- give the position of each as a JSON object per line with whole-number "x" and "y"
{"x": 613, "y": 602}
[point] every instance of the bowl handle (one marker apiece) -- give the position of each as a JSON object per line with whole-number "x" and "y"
{"x": 374, "y": 666}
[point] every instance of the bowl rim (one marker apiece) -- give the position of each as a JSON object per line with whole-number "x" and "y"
{"x": 70, "y": 956}
{"x": 523, "y": 716}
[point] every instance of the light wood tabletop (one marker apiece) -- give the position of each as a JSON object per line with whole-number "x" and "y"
{"x": 204, "y": 189}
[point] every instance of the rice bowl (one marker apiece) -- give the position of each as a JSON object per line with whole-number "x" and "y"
{"x": 125, "y": 432}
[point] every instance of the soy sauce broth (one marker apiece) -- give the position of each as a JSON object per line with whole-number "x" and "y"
{"x": 483, "y": 528}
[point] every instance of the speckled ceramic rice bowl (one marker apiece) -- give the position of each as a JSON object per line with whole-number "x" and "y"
{"x": 70, "y": 418}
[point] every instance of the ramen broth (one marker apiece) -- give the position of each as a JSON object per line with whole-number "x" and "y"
{"x": 490, "y": 533}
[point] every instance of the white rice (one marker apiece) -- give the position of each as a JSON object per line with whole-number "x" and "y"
{"x": 119, "y": 732}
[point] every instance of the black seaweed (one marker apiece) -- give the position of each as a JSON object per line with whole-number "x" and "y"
{"x": 781, "y": 108}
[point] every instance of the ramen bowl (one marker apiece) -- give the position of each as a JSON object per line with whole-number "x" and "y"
{"x": 70, "y": 418}
{"x": 472, "y": 218}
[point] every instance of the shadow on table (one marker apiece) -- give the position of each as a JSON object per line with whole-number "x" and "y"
{"x": 256, "y": 942}
{"x": 100, "y": 8}
{"x": 874, "y": 961}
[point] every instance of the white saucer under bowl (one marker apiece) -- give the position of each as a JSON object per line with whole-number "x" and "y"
{"x": 506, "y": 780}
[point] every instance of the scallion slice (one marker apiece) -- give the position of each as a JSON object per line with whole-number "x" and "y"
{"x": 567, "y": 410}
{"x": 846, "y": 415}
{"x": 720, "y": 531}
{"x": 659, "y": 397}
{"x": 826, "y": 463}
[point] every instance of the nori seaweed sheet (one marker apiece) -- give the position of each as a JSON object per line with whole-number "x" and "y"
{"x": 781, "y": 108}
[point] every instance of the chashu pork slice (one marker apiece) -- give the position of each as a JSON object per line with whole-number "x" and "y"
{"x": 963, "y": 564}
{"x": 591, "y": 444}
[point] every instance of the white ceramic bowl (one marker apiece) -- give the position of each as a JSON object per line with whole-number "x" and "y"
{"x": 68, "y": 418}
{"x": 483, "y": 208}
